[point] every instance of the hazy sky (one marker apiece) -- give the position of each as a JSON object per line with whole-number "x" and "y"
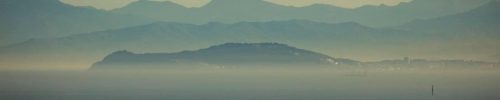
{"x": 112, "y": 4}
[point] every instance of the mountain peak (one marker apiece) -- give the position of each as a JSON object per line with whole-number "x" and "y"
{"x": 121, "y": 52}
{"x": 238, "y": 3}
{"x": 152, "y": 5}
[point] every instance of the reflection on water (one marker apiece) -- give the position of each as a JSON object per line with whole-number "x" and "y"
{"x": 251, "y": 85}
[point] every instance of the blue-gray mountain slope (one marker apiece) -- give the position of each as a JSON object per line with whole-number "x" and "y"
{"x": 339, "y": 40}
{"x": 21, "y": 20}
{"x": 233, "y": 11}
{"x": 228, "y": 55}
{"x": 346, "y": 40}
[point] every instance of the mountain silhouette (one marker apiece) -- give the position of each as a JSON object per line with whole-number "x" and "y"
{"x": 25, "y": 19}
{"x": 155, "y": 10}
{"x": 331, "y": 39}
{"x": 482, "y": 21}
{"x": 474, "y": 33}
{"x": 228, "y": 55}
{"x": 234, "y": 11}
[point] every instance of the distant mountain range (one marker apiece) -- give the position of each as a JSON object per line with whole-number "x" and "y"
{"x": 22, "y": 20}
{"x": 225, "y": 56}
{"x": 477, "y": 30}
{"x": 233, "y": 11}
{"x": 25, "y": 19}
{"x": 479, "y": 21}
{"x": 168, "y": 36}
{"x": 465, "y": 35}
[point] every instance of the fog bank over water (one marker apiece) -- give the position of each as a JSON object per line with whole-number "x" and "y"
{"x": 251, "y": 85}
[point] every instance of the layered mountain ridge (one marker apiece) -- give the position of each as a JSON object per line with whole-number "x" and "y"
{"x": 228, "y": 55}
{"x": 22, "y": 20}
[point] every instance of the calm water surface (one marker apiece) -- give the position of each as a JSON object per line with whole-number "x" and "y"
{"x": 251, "y": 85}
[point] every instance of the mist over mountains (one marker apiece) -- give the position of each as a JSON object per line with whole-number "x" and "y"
{"x": 168, "y": 36}
{"x": 249, "y": 49}
{"x": 479, "y": 21}
{"x": 25, "y": 19}
{"x": 59, "y": 35}
{"x": 233, "y": 11}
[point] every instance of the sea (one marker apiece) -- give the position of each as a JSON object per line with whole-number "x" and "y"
{"x": 227, "y": 84}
